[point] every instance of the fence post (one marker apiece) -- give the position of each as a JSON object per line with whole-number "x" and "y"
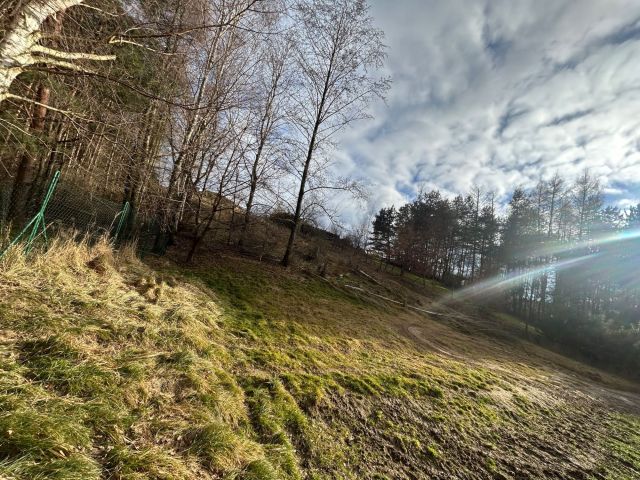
{"x": 37, "y": 222}
{"x": 124, "y": 213}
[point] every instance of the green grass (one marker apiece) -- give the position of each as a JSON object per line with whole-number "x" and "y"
{"x": 623, "y": 439}
{"x": 239, "y": 370}
{"x": 126, "y": 463}
{"x": 42, "y": 436}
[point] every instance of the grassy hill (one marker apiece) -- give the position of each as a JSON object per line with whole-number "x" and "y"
{"x": 113, "y": 368}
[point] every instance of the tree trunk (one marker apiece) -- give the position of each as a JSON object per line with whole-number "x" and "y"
{"x": 312, "y": 145}
{"x": 20, "y": 47}
{"x": 296, "y": 221}
{"x": 27, "y": 167}
{"x": 303, "y": 181}
{"x": 252, "y": 192}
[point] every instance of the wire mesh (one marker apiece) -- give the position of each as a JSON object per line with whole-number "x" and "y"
{"x": 84, "y": 213}
{"x": 70, "y": 207}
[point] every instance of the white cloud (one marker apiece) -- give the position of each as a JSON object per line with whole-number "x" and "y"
{"x": 499, "y": 93}
{"x": 625, "y": 203}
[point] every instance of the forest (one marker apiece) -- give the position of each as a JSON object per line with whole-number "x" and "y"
{"x": 199, "y": 115}
{"x": 559, "y": 258}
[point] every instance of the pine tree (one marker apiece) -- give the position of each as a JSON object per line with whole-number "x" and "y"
{"x": 384, "y": 233}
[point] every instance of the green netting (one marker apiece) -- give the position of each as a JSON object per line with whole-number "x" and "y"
{"x": 63, "y": 206}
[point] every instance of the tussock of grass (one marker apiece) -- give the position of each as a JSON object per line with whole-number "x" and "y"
{"x": 220, "y": 449}
{"x": 123, "y": 462}
{"x": 259, "y": 470}
{"x": 42, "y": 436}
{"x": 72, "y": 467}
{"x": 55, "y": 362}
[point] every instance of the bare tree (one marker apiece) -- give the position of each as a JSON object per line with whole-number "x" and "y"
{"x": 587, "y": 200}
{"x": 217, "y": 172}
{"x": 269, "y": 117}
{"x": 336, "y": 48}
{"x": 554, "y": 191}
{"x": 217, "y": 69}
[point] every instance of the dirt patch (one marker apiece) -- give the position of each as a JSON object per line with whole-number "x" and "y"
{"x": 468, "y": 337}
{"x": 411, "y": 439}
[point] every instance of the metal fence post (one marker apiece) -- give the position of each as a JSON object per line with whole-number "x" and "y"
{"x": 123, "y": 217}
{"x": 37, "y": 222}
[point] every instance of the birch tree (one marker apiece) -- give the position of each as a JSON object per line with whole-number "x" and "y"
{"x": 21, "y": 46}
{"x": 268, "y": 119}
{"x": 213, "y": 77}
{"x": 337, "y": 50}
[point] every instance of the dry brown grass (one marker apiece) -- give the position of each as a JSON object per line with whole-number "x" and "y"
{"x": 136, "y": 358}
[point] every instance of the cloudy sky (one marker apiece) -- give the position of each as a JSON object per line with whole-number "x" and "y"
{"x": 497, "y": 93}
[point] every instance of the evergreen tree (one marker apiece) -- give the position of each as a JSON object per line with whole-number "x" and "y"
{"x": 383, "y": 235}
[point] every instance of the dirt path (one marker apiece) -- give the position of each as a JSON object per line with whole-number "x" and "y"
{"x": 472, "y": 339}
{"x": 534, "y": 412}
{"x": 555, "y": 373}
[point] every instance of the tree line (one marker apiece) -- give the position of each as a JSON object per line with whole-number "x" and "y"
{"x": 190, "y": 110}
{"x": 558, "y": 258}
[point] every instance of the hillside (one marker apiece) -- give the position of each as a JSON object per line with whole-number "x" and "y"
{"x": 113, "y": 368}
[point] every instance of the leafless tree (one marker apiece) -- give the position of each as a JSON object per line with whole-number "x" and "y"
{"x": 337, "y": 49}
{"x": 268, "y": 118}
{"x": 554, "y": 191}
{"x": 218, "y": 70}
{"x": 587, "y": 199}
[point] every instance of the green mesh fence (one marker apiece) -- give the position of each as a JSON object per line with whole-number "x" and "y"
{"x": 60, "y": 206}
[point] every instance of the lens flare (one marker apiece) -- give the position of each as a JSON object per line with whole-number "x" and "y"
{"x": 554, "y": 250}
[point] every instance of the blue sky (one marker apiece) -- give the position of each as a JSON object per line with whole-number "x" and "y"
{"x": 498, "y": 93}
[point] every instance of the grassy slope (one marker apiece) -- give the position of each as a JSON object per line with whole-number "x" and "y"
{"x": 111, "y": 369}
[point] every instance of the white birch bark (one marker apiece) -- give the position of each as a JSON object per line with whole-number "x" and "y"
{"x": 20, "y": 47}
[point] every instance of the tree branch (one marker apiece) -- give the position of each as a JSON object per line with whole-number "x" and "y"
{"x": 71, "y": 55}
{"x": 11, "y": 96}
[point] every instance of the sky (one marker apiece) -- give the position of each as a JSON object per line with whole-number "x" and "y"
{"x": 499, "y": 93}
